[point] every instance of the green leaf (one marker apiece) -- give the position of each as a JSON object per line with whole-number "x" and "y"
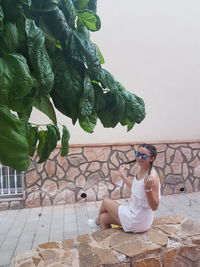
{"x": 89, "y": 19}
{"x": 22, "y": 106}
{"x": 1, "y": 20}
{"x": 44, "y": 104}
{"x": 108, "y": 81}
{"x": 65, "y": 141}
{"x": 68, "y": 87}
{"x": 52, "y": 138}
{"x": 135, "y": 107}
{"x": 68, "y": 5}
{"x": 102, "y": 60}
{"x": 88, "y": 123}
{"x": 13, "y": 142}
{"x": 22, "y": 81}
{"x": 83, "y": 50}
{"x": 87, "y": 100}
{"x": 40, "y": 60}
{"x": 6, "y": 81}
{"x": 9, "y": 40}
{"x": 113, "y": 111}
{"x": 92, "y": 5}
{"x": 83, "y": 4}
{"x": 32, "y": 138}
{"x": 42, "y": 149}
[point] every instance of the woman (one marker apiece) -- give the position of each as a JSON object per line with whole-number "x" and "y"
{"x": 138, "y": 215}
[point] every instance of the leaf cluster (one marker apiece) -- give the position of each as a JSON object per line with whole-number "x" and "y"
{"x": 46, "y": 55}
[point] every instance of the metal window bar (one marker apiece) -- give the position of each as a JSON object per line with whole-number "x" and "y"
{"x": 10, "y": 182}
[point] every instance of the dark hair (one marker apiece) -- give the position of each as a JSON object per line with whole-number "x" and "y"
{"x": 152, "y": 151}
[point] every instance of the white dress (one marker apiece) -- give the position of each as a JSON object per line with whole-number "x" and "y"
{"x": 137, "y": 216}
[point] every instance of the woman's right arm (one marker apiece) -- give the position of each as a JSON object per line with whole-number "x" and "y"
{"x": 123, "y": 176}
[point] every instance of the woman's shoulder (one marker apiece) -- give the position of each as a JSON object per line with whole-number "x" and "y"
{"x": 154, "y": 174}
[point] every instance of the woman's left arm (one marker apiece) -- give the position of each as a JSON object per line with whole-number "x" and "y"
{"x": 151, "y": 187}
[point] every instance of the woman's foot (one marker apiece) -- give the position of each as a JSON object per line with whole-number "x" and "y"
{"x": 92, "y": 223}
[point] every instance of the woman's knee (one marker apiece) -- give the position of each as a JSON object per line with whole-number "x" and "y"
{"x": 104, "y": 218}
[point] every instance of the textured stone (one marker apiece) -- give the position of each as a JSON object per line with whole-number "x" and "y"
{"x": 197, "y": 171}
{"x": 62, "y": 161}
{"x": 31, "y": 178}
{"x": 177, "y": 163}
{"x": 75, "y": 150}
{"x": 137, "y": 248}
{"x": 68, "y": 244}
{"x": 76, "y": 160}
{"x": 195, "y": 163}
{"x": 168, "y": 229}
{"x": 115, "y": 178}
{"x": 191, "y": 252}
{"x": 160, "y": 160}
{"x": 72, "y": 173}
{"x": 83, "y": 167}
{"x": 194, "y": 145}
{"x": 188, "y": 187}
{"x": 123, "y": 237}
{"x": 114, "y": 160}
{"x": 49, "y": 245}
{"x": 60, "y": 172}
{"x": 105, "y": 169}
{"x": 168, "y": 257}
{"x": 94, "y": 166}
{"x": 50, "y": 187}
{"x": 190, "y": 227}
{"x": 169, "y": 153}
{"x": 54, "y": 153}
{"x": 174, "y": 179}
{"x": 121, "y": 148}
{"x": 46, "y": 201}
{"x": 195, "y": 239}
{"x": 115, "y": 248}
{"x": 102, "y": 191}
{"x": 4, "y": 205}
{"x": 168, "y": 170}
{"x": 187, "y": 152}
{"x": 157, "y": 237}
{"x": 80, "y": 181}
{"x": 169, "y": 219}
{"x": 50, "y": 168}
{"x": 98, "y": 153}
{"x": 167, "y": 190}
{"x": 65, "y": 197}
{"x": 33, "y": 200}
{"x": 185, "y": 170}
{"x": 148, "y": 262}
{"x": 15, "y": 205}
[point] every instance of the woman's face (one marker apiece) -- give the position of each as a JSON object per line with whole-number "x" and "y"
{"x": 142, "y": 159}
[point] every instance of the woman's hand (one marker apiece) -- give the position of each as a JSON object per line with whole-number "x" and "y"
{"x": 122, "y": 171}
{"x": 148, "y": 183}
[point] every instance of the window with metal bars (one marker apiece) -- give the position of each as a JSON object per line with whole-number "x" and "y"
{"x": 11, "y": 183}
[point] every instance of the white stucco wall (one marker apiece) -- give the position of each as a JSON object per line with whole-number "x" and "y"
{"x": 153, "y": 48}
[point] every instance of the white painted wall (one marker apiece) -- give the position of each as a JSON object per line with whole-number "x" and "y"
{"x": 153, "y": 48}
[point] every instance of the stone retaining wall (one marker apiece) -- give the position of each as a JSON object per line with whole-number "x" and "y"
{"x": 172, "y": 241}
{"x": 93, "y": 169}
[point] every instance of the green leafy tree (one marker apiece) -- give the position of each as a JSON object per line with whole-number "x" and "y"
{"x": 48, "y": 61}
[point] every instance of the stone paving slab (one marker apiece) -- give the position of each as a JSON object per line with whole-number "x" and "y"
{"x": 25, "y": 229}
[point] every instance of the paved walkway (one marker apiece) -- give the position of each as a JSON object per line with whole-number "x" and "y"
{"x": 24, "y": 229}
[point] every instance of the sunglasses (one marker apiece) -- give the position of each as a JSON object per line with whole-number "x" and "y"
{"x": 143, "y": 156}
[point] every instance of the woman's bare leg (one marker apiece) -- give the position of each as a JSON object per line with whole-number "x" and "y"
{"x": 106, "y": 220}
{"x": 111, "y": 207}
